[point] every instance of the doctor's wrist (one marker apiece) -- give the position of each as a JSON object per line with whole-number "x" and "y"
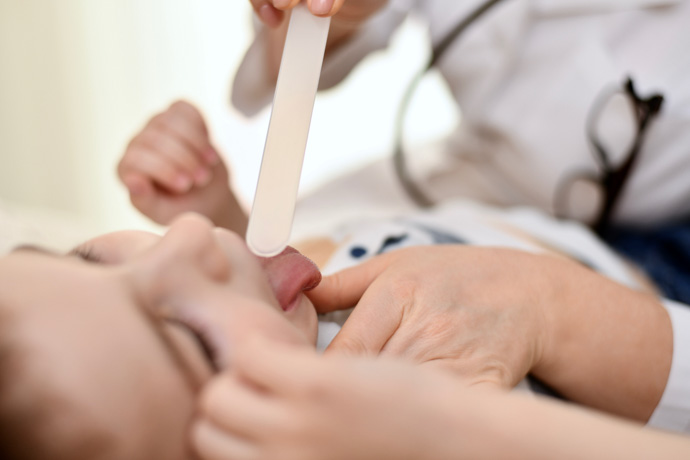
{"x": 608, "y": 346}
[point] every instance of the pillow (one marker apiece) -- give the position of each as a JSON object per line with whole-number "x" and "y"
{"x": 43, "y": 227}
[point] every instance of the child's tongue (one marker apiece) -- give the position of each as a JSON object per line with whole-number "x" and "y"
{"x": 290, "y": 273}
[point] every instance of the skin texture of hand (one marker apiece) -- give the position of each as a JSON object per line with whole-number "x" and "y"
{"x": 431, "y": 305}
{"x": 287, "y": 403}
{"x": 170, "y": 168}
{"x": 493, "y": 315}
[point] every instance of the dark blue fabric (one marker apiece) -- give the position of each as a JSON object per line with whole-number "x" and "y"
{"x": 663, "y": 253}
{"x": 358, "y": 252}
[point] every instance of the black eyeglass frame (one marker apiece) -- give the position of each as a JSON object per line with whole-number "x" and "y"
{"x": 610, "y": 178}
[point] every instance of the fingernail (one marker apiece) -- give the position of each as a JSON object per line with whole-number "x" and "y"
{"x": 202, "y": 177}
{"x": 183, "y": 183}
{"x": 270, "y": 16}
{"x": 321, "y": 7}
{"x": 282, "y": 4}
{"x": 211, "y": 157}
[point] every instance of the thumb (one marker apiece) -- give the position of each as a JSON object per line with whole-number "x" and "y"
{"x": 344, "y": 289}
{"x": 372, "y": 324}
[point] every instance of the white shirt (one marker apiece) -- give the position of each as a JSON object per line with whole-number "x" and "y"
{"x": 526, "y": 76}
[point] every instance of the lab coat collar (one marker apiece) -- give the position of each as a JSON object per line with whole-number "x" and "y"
{"x": 570, "y": 7}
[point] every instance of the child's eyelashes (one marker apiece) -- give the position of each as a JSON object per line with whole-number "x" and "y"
{"x": 86, "y": 253}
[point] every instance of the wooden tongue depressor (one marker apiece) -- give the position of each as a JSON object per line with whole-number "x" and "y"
{"x": 270, "y": 221}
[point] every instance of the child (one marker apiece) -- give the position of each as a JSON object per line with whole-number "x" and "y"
{"x": 101, "y": 352}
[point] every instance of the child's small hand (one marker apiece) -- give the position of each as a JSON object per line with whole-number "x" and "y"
{"x": 170, "y": 167}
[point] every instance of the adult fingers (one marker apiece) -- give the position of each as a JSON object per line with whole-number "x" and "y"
{"x": 275, "y": 367}
{"x": 372, "y": 323}
{"x": 239, "y": 409}
{"x": 325, "y": 7}
{"x": 269, "y": 14}
{"x": 344, "y": 289}
{"x": 212, "y": 443}
{"x": 285, "y": 4}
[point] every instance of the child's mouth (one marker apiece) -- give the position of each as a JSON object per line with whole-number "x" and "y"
{"x": 290, "y": 273}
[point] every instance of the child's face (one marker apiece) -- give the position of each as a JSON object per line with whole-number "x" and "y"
{"x": 91, "y": 334}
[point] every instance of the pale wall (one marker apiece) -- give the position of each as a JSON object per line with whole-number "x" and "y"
{"x": 79, "y": 77}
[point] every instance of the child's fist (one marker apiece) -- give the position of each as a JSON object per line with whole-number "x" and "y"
{"x": 170, "y": 167}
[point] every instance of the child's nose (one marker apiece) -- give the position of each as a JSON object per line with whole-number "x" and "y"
{"x": 192, "y": 240}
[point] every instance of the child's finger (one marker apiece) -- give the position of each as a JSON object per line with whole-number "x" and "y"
{"x": 142, "y": 194}
{"x": 158, "y": 169}
{"x": 172, "y": 149}
{"x": 187, "y": 123}
{"x": 137, "y": 184}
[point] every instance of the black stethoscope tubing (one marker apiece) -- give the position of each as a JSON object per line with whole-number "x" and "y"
{"x": 408, "y": 184}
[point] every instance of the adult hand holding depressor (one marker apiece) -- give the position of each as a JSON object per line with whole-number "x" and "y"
{"x": 170, "y": 167}
{"x": 493, "y": 315}
{"x": 271, "y": 12}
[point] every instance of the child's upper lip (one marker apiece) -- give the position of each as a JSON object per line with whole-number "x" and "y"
{"x": 290, "y": 273}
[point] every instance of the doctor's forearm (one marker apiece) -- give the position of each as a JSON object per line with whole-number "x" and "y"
{"x": 611, "y": 347}
{"x": 512, "y": 426}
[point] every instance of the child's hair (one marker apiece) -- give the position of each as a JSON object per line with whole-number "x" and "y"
{"x": 36, "y": 422}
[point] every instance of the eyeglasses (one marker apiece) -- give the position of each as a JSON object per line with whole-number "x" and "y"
{"x": 616, "y": 128}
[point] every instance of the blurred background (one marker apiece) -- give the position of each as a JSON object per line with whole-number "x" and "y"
{"x": 78, "y": 78}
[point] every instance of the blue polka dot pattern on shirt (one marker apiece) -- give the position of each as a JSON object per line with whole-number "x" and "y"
{"x": 358, "y": 252}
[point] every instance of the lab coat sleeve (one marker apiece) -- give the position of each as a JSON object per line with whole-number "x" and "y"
{"x": 252, "y": 89}
{"x": 673, "y": 411}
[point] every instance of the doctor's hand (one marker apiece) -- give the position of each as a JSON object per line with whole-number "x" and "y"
{"x": 288, "y": 403}
{"x": 479, "y": 313}
{"x": 170, "y": 168}
{"x": 345, "y": 12}
{"x": 493, "y": 315}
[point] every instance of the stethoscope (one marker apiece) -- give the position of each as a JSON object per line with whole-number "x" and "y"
{"x": 611, "y": 179}
{"x": 408, "y": 184}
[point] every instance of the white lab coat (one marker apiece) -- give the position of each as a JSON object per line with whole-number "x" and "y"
{"x": 525, "y": 77}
